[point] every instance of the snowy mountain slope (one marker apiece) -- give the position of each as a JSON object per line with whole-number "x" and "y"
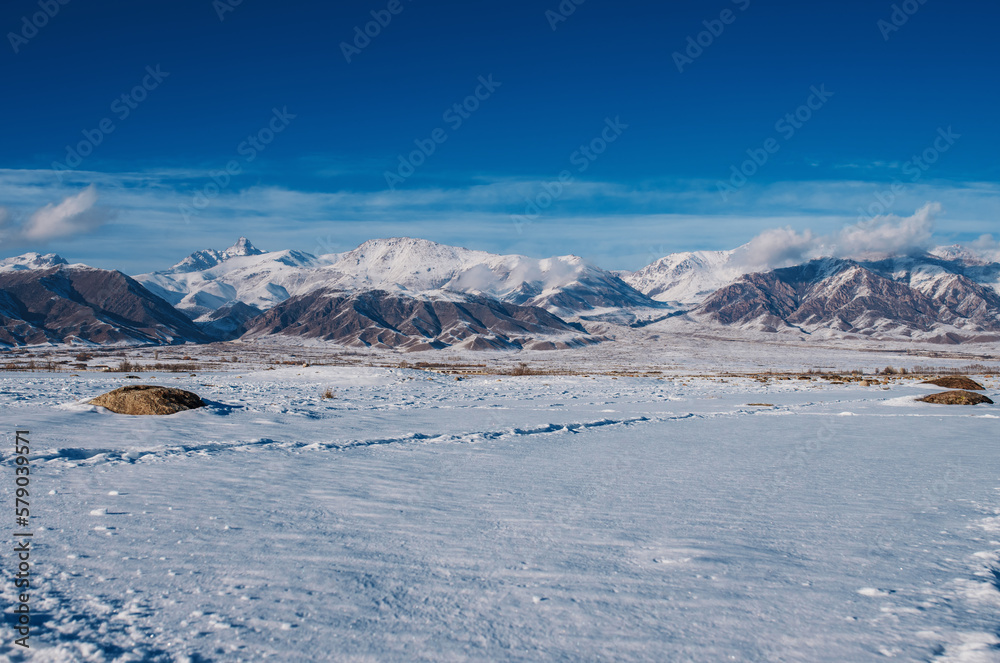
{"x": 31, "y": 261}
{"x": 563, "y": 285}
{"x": 687, "y": 277}
{"x": 969, "y": 256}
{"x": 209, "y": 280}
{"x": 936, "y": 271}
{"x": 228, "y": 322}
{"x": 208, "y": 258}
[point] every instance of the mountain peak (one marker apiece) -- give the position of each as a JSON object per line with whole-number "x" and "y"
{"x": 242, "y": 247}
{"x": 687, "y": 277}
{"x": 31, "y": 261}
{"x": 405, "y": 245}
{"x": 208, "y": 258}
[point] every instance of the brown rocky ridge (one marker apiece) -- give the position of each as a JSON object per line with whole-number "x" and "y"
{"x": 66, "y": 304}
{"x": 376, "y": 318}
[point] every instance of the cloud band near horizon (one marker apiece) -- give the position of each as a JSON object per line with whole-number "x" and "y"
{"x": 138, "y": 224}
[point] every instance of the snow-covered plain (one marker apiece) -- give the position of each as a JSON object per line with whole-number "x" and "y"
{"x": 416, "y": 517}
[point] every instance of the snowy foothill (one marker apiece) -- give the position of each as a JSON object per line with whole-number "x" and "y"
{"x": 371, "y": 510}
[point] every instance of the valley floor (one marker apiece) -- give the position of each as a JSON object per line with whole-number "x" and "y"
{"x": 416, "y": 517}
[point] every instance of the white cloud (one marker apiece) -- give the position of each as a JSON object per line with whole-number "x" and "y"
{"x": 613, "y": 224}
{"x": 74, "y": 215}
{"x": 883, "y": 236}
{"x": 888, "y": 235}
{"x": 986, "y": 247}
{"x": 778, "y": 247}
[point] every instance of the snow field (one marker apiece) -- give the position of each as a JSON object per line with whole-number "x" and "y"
{"x": 521, "y": 519}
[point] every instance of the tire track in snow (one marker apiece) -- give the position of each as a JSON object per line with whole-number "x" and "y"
{"x": 73, "y": 457}
{"x": 88, "y": 457}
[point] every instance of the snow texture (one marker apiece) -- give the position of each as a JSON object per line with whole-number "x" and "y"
{"x": 415, "y": 517}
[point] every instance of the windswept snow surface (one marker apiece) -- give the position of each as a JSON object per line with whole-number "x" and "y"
{"x": 415, "y": 517}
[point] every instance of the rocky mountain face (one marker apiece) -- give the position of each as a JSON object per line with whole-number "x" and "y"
{"x": 377, "y": 318}
{"x": 59, "y": 303}
{"x": 855, "y": 299}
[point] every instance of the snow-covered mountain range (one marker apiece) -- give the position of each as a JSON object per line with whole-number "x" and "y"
{"x": 416, "y": 294}
{"x": 564, "y": 285}
{"x": 895, "y": 298}
{"x": 206, "y": 281}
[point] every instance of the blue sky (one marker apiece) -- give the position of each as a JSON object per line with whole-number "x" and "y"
{"x": 626, "y": 149}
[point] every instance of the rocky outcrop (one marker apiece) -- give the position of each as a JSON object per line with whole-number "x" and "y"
{"x": 956, "y": 397}
{"x": 148, "y": 400}
{"x": 956, "y": 382}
